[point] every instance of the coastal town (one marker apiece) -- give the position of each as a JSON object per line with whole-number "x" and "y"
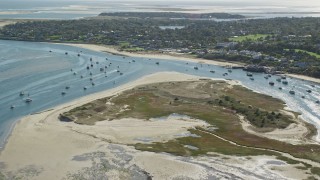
{"x": 277, "y": 44}
{"x": 94, "y": 90}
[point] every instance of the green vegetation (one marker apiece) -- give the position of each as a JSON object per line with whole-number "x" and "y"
{"x": 250, "y": 37}
{"x": 304, "y": 51}
{"x": 212, "y": 101}
{"x": 205, "y": 142}
{"x": 316, "y": 171}
{"x": 2, "y": 177}
{"x": 263, "y": 42}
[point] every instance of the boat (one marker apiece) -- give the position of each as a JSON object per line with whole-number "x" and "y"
{"x": 88, "y": 67}
{"x": 22, "y": 93}
{"x": 90, "y": 73}
{"x": 157, "y": 63}
{"x": 93, "y": 83}
{"x": 283, "y": 77}
{"x": 66, "y": 53}
{"x": 133, "y": 61}
{"x": 280, "y": 88}
{"x": 318, "y": 102}
{"x": 101, "y": 69}
{"x": 106, "y": 58}
{"x": 303, "y": 97}
{"x": 292, "y": 92}
{"x": 266, "y": 77}
{"x": 28, "y": 100}
{"x": 81, "y": 76}
{"x": 63, "y": 93}
{"x": 67, "y": 87}
{"x": 249, "y": 74}
{"x": 196, "y": 68}
{"x": 309, "y": 91}
{"x": 212, "y": 71}
{"x": 279, "y": 79}
{"x": 74, "y": 73}
{"x": 91, "y": 79}
{"x": 251, "y": 78}
{"x": 50, "y": 51}
{"x": 90, "y": 59}
{"x": 78, "y": 54}
{"x": 285, "y": 82}
{"x": 85, "y": 88}
{"x": 271, "y": 83}
{"x": 269, "y": 75}
{"x": 312, "y": 85}
{"x": 12, "y": 107}
{"x": 229, "y": 70}
{"x": 121, "y": 73}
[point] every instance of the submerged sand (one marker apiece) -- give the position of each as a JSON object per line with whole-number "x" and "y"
{"x": 42, "y": 147}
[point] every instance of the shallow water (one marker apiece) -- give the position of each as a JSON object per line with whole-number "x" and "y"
{"x": 30, "y": 67}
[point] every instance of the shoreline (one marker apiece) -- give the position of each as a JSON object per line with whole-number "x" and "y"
{"x": 44, "y": 136}
{"x": 173, "y": 56}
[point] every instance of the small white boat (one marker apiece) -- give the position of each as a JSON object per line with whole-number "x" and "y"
{"x": 28, "y": 100}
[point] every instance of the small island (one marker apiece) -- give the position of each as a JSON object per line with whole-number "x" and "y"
{"x": 180, "y": 121}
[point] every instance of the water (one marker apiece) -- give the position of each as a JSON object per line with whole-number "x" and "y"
{"x": 30, "y": 67}
{"x": 75, "y": 9}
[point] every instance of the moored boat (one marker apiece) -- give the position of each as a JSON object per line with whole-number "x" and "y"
{"x": 28, "y": 100}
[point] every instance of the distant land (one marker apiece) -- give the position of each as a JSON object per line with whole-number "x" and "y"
{"x": 275, "y": 45}
{"x": 174, "y": 15}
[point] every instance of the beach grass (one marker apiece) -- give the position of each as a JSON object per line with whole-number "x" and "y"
{"x": 212, "y": 101}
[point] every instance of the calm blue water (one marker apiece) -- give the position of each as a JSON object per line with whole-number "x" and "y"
{"x": 74, "y": 9}
{"x": 30, "y": 67}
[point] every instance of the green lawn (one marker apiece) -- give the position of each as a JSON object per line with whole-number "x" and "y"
{"x": 308, "y": 52}
{"x": 250, "y": 37}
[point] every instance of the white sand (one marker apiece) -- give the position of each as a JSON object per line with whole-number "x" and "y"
{"x": 6, "y": 22}
{"x": 131, "y": 131}
{"x": 307, "y": 78}
{"x": 42, "y": 147}
{"x": 171, "y": 56}
{"x": 45, "y": 142}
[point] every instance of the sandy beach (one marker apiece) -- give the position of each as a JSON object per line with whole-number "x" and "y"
{"x": 6, "y": 22}
{"x": 42, "y": 147}
{"x": 172, "y": 56}
{"x": 306, "y": 78}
